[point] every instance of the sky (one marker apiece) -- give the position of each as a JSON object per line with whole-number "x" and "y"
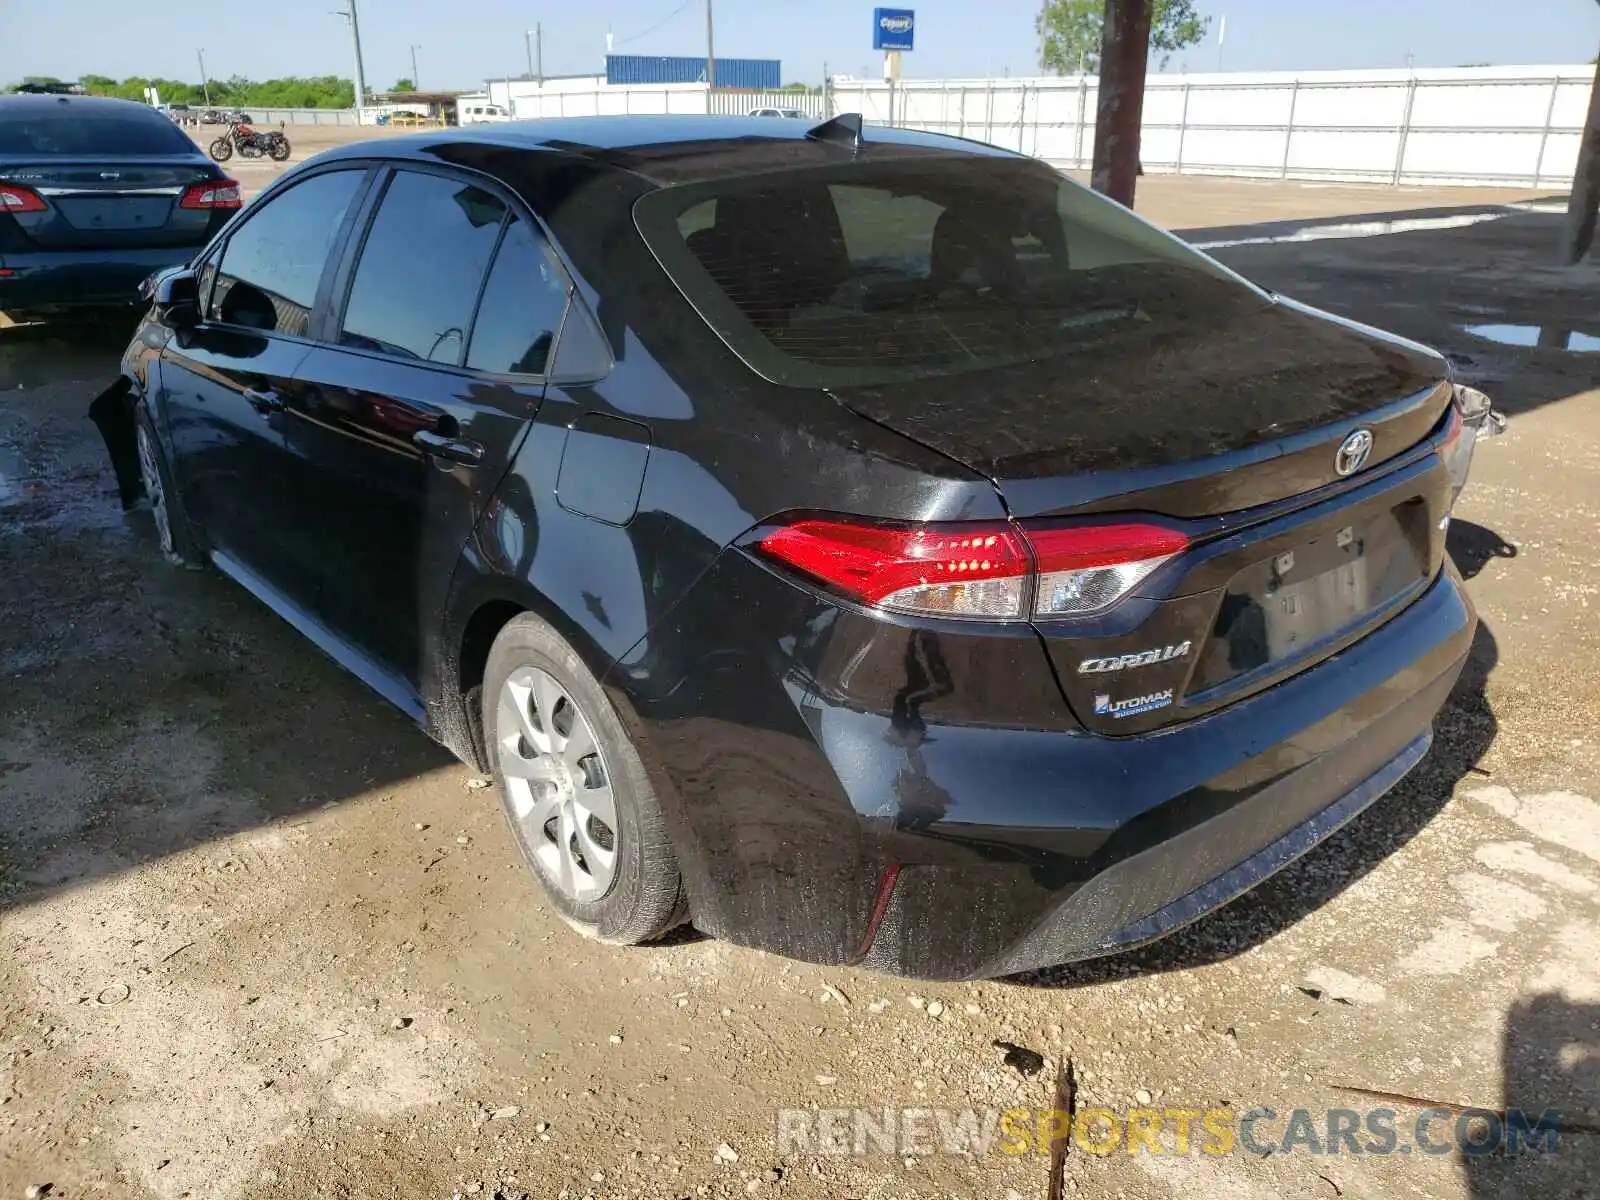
{"x": 461, "y": 44}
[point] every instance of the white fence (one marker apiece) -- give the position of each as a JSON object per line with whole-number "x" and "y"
{"x": 1514, "y": 126}
{"x": 1492, "y": 125}
{"x": 730, "y": 103}
{"x": 302, "y": 116}
{"x": 526, "y": 100}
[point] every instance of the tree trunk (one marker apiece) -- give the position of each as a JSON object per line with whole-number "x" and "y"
{"x": 1583, "y": 207}
{"x": 1124, "y": 54}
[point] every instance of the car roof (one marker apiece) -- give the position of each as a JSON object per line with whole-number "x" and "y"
{"x": 670, "y": 149}
{"x": 22, "y": 105}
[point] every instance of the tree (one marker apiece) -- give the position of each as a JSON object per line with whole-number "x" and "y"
{"x": 323, "y": 91}
{"x": 404, "y": 85}
{"x": 1069, "y": 32}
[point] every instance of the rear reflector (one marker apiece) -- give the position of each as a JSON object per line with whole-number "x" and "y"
{"x": 17, "y": 199}
{"x": 217, "y": 193}
{"x": 984, "y": 571}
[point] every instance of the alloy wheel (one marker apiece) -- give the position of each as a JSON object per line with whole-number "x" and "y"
{"x": 557, "y": 784}
{"x": 151, "y": 474}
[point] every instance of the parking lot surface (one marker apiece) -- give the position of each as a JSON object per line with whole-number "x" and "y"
{"x": 259, "y": 938}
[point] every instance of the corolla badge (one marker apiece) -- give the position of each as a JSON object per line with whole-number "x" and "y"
{"x": 1352, "y": 452}
{"x": 1125, "y": 662}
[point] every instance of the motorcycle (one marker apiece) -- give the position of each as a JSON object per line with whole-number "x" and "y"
{"x": 250, "y": 143}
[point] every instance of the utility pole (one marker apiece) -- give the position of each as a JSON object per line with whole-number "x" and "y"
{"x": 416, "y": 80}
{"x": 1124, "y": 55}
{"x": 533, "y": 39}
{"x": 711, "y": 51}
{"x": 361, "y": 74}
{"x": 205, "y": 83}
{"x": 1583, "y": 206}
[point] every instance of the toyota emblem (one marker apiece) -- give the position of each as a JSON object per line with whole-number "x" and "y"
{"x": 1353, "y": 451}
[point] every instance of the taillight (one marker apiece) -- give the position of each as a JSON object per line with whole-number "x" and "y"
{"x": 17, "y": 199}
{"x": 987, "y": 571}
{"x": 215, "y": 193}
{"x": 1471, "y": 420}
{"x": 953, "y": 571}
{"x": 1087, "y": 568}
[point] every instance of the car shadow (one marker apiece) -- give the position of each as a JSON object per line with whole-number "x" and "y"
{"x": 145, "y": 710}
{"x": 1463, "y": 732}
{"x": 1550, "y": 1064}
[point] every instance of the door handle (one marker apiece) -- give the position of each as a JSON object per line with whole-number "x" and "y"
{"x": 264, "y": 401}
{"x": 468, "y": 454}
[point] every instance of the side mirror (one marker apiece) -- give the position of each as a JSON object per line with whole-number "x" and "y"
{"x": 174, "y": 296}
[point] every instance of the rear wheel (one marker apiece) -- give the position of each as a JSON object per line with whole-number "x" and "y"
{"x": 221, "y": 149}
{"x": 574, "y": 792}
{"x": 178, "y": 544}
{"x": 279, "y": 150}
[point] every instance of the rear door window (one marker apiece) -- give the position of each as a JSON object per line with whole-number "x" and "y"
{"x": 67, "y": 129}
{"x": 271, "y": 266}
{"x": 864, "y": 272}
{"x": 417, "y": 282}
{"x": 520, "y": 314}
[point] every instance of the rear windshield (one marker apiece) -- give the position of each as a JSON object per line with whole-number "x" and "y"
{"x": 69, "y": 132}
{"x": 873, "y": 272}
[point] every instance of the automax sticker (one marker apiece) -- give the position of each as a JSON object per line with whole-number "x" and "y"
{"x": 1133, "y": 706}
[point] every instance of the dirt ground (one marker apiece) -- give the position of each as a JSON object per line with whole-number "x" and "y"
{"x": 261, "y": 939}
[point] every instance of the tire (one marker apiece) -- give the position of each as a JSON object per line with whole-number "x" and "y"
{"x": 179, "y": 546}
{"x": 221, "y": 149}
{"x": 279, "y": 150}
{"x": 534, "y": 686}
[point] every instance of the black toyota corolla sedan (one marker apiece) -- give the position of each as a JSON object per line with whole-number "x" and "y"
{"x": 95, "y": 194}
{"x": 868, "y": 545}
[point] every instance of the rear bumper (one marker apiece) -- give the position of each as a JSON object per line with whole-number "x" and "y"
{"x": 76, "y": 278}
{"x": 952, "y": 851}
{"x": 1298, "y": 762}
{"x": 1095, "y": 920}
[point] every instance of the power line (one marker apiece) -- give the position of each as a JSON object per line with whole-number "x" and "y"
{"x": 664, "y": 20}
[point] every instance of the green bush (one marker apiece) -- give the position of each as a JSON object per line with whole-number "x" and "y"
{"x": 322, "y": 91}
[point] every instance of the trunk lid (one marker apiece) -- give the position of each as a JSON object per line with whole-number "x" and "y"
{"x": 1229, "y": 431}
{"x": 96, "y": 202}
{"x": 1241, "y": 406}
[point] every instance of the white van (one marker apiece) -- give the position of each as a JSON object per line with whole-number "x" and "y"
{"x": 478, "y": 112}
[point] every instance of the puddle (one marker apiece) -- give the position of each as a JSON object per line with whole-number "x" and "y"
{"x": 1541, "y": 336}
{"x": 1358, "y": 229}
